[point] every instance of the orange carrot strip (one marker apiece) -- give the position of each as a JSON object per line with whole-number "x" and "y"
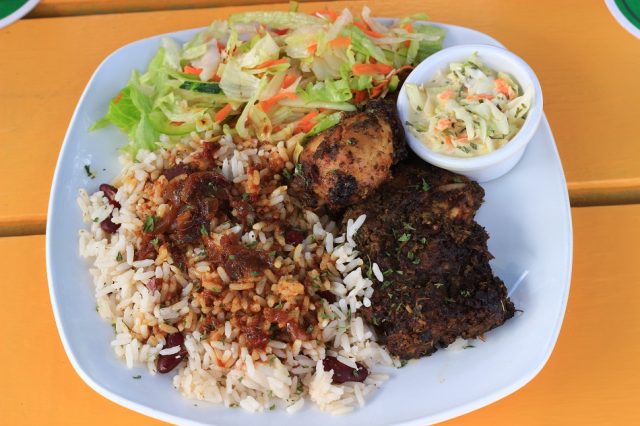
{"x": 369, "y": 69}
{"x": 443, "y": 96}
{"x": 443, "y": 123}
{"x": 368, "y": 31}
{"x": 272, "y": 62}
{"x": 360, "y": 96}
{"x": 188, "y": 69}
{"x": 223, "y": 113}
{"x": 268, "y": 103}
{"x": 289, "y": 79}
{"x": 313, "y": 47}
{"x": 378, "y": 89}
{"x": 305, "y": 124}
{"x": 501, "y": 86}
{"x": 332, "y": 15}
{"x": 340, "y": 42}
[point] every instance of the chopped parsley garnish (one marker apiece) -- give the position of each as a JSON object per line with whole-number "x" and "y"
{"x": 255, "y": 273}
{"x": 273, "y": 407}
{"x": 410, "y": 255}
{"x": 386, "y": 284}
{"x": 310, "y": 329}
{"x": 408, "y": 227}
{"x": 423, "y": 240}
{"x": 468, "y": 347}
{"x": 297, "y": 171}
{"x": 155, "y": 242}
{"x": 272, "y": 253}
{"x": 149, "y": 223}
{"x": 286, "y": 173}
{"x": 137, "y": 377}
{"x": 252, "y": 244}
{"x": 90, "y": 173}
{"x": 232, "y": 257}
{"x": 245, "y": 196}
{"x": 404, "y": 237}
{"x": 425, "y": 186}
{"x": 403, "y": 363}
{"x": 203, "y": 230}
{"x": 119, "y": 257}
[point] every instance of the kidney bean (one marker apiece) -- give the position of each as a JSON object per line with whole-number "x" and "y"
{"x": 108, "y": 226}
{"x": 110, "y": 192}
{"x": 293, "y": 236}
{"x": 327, "y": 295}
{"x": 343, "y": 373}
{"x": 167, "y": 363}
{"x": 154, "y": 284}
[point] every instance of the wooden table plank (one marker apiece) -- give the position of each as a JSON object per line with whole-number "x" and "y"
{"x": 47, "y": 62}
{"x": 58, "y": 8}
{"x": 591, "y": 377}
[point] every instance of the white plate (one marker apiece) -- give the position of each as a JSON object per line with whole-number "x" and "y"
{"x": 526, "y": 214}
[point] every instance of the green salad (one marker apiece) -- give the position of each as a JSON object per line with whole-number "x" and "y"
{"x": 268, "y": 76}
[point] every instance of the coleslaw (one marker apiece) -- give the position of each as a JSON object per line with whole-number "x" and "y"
{"x": 468, "y": 109}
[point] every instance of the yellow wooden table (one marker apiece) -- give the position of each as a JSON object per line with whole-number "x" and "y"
{"x": 587, "y": 65}
{"x": 582, "y": 64}
{"x": 592, "y": 376}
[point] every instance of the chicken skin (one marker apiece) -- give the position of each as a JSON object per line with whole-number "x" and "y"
{"x": 346, "y": 163}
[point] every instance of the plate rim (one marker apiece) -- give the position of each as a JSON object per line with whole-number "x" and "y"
{"x": 168, "y": 417}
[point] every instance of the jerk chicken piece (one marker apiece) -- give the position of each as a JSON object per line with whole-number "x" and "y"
{"x": 438, "y": 282}
{"x": 347, "y": 162}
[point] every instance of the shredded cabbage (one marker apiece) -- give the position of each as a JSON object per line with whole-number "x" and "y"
{"x": 257, "y": 74}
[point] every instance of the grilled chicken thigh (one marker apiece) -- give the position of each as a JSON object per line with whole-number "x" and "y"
{"x": 347, "y": 162}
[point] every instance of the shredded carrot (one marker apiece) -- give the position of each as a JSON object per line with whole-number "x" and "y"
{"x": 368, "y": 31}
{"x": 268, "y": 103}
{"x": 313, "y": 47}
{"x": 272, "y": 62}
{"x": 223, "y": 113}
{"x": 502, "y": 86}
{"x": 176, "y": 123}
{"x": 462, "y": 138}
{"x": 378, "y": 89}
{"x": 443, "y": 96}
{"x": 188, "y": 69}
{"x": 359, "y": 96}
{"x": 409, "y": 28}
{"x": 117, "y": 98}
{"x": 340, "y": 42}
{"x": 289, "y": 79}
{"x": 280, "y": 31}
{"x": 479, "y": 96}
{"x": 447, "y": 140}
{"x": 216, "y": 78}
{"x": 305, "y": 124}
{"x": 221, "y": 46}
{"x": 369, "y": 69}
{"x": 331, "y": 15}
{"x": 443, "y": 123}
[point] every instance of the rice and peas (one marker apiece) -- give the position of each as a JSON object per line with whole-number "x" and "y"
{"x": 219, "y": 366}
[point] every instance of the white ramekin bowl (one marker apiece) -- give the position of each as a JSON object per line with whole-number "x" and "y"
{"x": 490, "y": 166}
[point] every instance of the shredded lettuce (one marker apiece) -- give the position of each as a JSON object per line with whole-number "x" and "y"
{"x": 255, "y": 56}
{"x": 327, "y": 91}
{"x": 276, "y": 19}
